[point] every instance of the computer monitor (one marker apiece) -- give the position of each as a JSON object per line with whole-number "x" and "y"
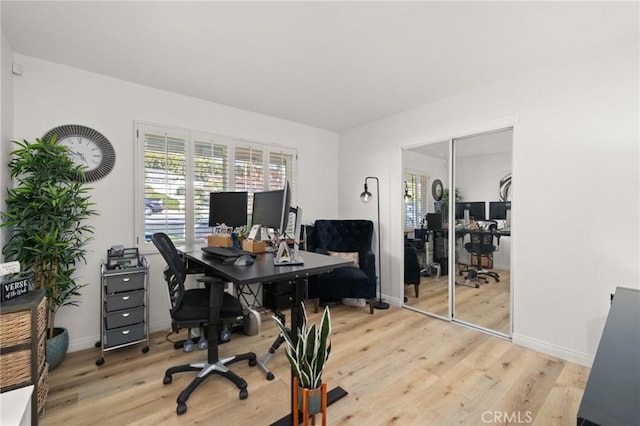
{"x": 267, "y": 208}
{"x": 285, "y": 209}
{"x": 498, "y": 210}
{"x": 476, "y": 209}
{"x": 229, "y": 208}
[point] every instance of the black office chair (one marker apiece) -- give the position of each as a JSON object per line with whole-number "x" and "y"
{"x": 482, "y": 247}
{"x": 199, "y": 307}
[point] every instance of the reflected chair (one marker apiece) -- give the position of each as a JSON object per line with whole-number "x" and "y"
{"x": 481, "y": 247}
{"x": 412, "y": 271}
{"x": 199, "y": 307}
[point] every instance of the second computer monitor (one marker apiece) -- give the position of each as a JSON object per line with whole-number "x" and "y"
{"x": 476, "y": 209}
{"x": 271, "y": 208}
{"x": 498, "y": 210}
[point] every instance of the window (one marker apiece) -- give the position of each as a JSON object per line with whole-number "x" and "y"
{"x": 416, "y": 208}
{"x": 178, "y": 168}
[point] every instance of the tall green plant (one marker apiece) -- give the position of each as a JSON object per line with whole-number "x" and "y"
{"x": 309, "y": 355}
{"x": 46, "y": 210}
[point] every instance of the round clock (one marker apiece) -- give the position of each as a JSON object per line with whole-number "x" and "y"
{"x": 437, "y": 189}
{"x": 87, "y": 148}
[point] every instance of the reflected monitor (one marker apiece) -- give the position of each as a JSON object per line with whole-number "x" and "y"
{"x": 476, "y": 210}
{"x": 498, "y": 210}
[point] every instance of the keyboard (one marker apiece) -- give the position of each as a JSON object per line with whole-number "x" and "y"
{"x": 225, "y": 252}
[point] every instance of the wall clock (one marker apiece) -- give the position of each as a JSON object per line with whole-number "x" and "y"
{"x": 437, "y": 189}
{"x": 88, "y": 148}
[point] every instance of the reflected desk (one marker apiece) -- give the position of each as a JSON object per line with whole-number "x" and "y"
{"x": 263, "y": 270}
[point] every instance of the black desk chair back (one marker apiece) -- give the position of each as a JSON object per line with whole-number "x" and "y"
{"x": 482, "y": 247}
{"x": 199, "y": 307}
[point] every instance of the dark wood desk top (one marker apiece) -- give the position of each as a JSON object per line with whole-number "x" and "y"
{"x": 612, "y": 394}
{"x": 263, "y": 269}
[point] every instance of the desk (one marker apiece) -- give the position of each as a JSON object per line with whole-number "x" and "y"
{"x": 612, "y": 394}
{"x": 264, "y": 270}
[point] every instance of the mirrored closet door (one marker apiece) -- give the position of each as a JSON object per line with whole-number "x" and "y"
{"x": 482, "y": 244}
{"x": 460, "y": 243}
{"x": 426, "y": 179}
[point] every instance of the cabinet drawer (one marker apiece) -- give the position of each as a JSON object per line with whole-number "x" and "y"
{"x": 125, "y": 317}
{"x": 123, "y": 335}
{"x": 124, "y": 282}
{"x": 117, "y": 302}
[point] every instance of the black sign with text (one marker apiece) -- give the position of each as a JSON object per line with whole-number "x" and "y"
{"x": 15, "y": 288}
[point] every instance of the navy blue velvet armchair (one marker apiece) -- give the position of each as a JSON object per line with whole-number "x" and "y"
{"x": 343, "y": 236}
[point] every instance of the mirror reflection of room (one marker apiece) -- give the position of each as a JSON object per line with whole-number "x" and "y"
{"x": 483, "y": 230}
{"x": 426, "y": 171}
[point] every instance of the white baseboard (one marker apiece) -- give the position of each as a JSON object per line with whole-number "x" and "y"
{"x": 553, "y": 350}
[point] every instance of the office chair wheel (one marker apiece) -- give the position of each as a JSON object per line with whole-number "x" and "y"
{"x": 270, "y": 376}
{"x": 253, "y": 362}
{"x": 181, "y": 408}
{"x": 99, "y": 361}
{"x": 167, "y": 380}
{"x": 244, "y": 394}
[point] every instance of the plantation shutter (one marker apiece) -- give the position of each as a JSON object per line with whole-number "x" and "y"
{"x": 165, "y": 184}
{"x": 211, "y": 174}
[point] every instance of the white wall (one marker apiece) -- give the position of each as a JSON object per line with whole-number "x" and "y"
{"x": 576, "y": 169}
{"x": 6, "y": 122}
{"x": 48, "y": 95}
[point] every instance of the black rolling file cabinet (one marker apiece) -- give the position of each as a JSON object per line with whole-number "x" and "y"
{"x": 124, "y": 304}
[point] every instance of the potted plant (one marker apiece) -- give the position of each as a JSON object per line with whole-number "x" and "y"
{"x": 309, "y": 355}
{"x": 46, "y": 210}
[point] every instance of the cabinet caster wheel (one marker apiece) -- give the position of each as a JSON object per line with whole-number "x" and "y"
{"x": 145, "y": 349}
{"x": 270, "y": 376}
{"x": 98, "y": 344}
{"x": 167, "y": 380}
{"x": 99, "y": 361}
{"x": 182, "y": 408}
{"x": 244, "y": 394}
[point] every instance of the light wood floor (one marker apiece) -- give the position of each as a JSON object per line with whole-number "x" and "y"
{"x": 399, "y": 367}
{"x": 486, "y": 306}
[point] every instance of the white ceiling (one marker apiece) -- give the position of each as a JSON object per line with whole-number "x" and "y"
{"x": 332, "y": 65}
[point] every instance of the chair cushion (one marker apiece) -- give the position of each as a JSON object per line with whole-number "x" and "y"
{"x": 195, "y": 306}
{"x": 352, "y": 256}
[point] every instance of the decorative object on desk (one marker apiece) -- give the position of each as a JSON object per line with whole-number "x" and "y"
{"x": 87, "y": 148}
{"x": 407, "y": 196}
{"x": 46, "y": 211}
{"x": 308, "y": 356}
{"x": 365, "y": 197}
{"x": 437, "y": 190}
{"x": 505, "y": 187}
